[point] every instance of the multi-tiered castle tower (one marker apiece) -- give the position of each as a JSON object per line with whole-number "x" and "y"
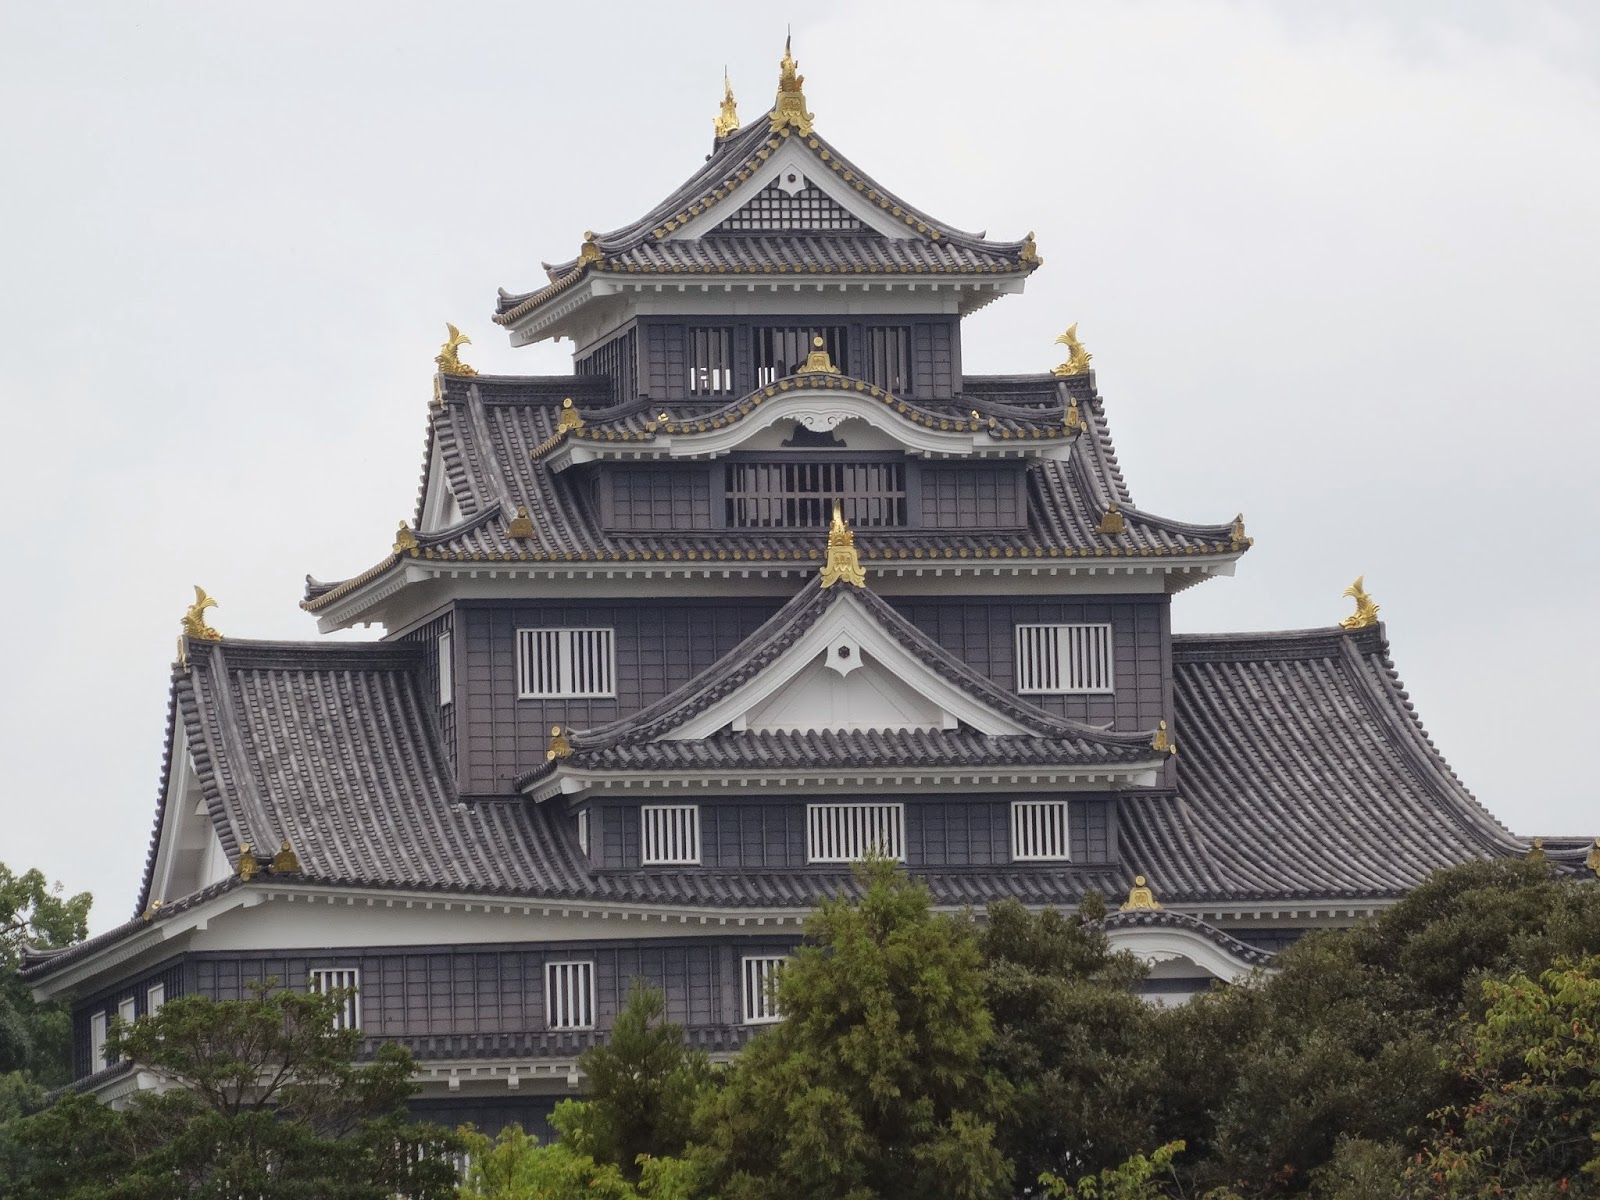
{"x": 766, "y": 584}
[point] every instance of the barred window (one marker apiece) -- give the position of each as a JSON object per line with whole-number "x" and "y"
{"x": 777, "y": 208}
{"x": 618, "y": 358}
{"x": 339, "y": 979}
{"x": 1063, "y": 658}
{"x": 888, "y": 358}
{"x": 128, "y": 1012}
{"x": 669, "y": 834}
{"x": 782, "y": 350}
{"x": 569, "y": 995}
{"x": 446, "y": 667}
{"x": 760, "y": 990}
{"x": 1039, "y": 830}
{"x": 583, "y": 831}
{"x": 800, "y": 495}
{"x": 837, "y": 833}
{"x": 565, "y": 662}
{"x": 154, "y": 997}
{"x": 710, "y": 362}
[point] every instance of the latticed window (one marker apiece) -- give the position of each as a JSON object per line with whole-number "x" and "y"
{"x": 760, "y": 990}
{"x": 583, "y": 830}
{"x": 1039, "y": 830}
{"x": 618, "y": 358}
{"x": 888, "y": 358}
{"x": 346, "y": 979}
{"x": 565, "y": 662}
{"x": 446, "y": 670}
{"x": 1063, "y": 658}
{"x": 781, "y": 350}
{"x": 800, "y": 495}
{"x": 569, "y": 995}
{"x": 837, "y": 833}
{"x": 669, "y": 833}
{"x": 710, "y": 362}
{"x": 775, "y": 209}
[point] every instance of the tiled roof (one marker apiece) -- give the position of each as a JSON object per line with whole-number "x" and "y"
{"x": 1165, "y": 918}
{"x": 494, "y": 434}
{"x": 725, "y": 182}
{"x": 1302, "y": 772}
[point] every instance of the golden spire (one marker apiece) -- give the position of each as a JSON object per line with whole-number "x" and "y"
{"x": 1366, "y": 612}
{"x": 726, "y": 121}
{"x": 1140, "y": 897}
{"x": 790, "y": 106}
{"x": 842, "y": 561}
{"x": 1077, "y": 357}
{"x": 818, "y": 362}
{"x": 449, "y": 356}
{"x": 194, "y": 624}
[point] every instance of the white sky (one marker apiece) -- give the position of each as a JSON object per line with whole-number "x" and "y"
{"x": 1337, "y": 264}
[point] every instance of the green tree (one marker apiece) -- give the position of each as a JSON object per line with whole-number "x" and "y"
{"x": 35, "y": 1038}
{"x": 266, "y": 1101}
{"x": 873, "y": 1085}
{"x": 1072, "y": 1042}
{"x": 515, "y": 1167}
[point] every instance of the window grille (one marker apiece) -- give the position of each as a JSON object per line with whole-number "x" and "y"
{"x": 154, "y": 997}
{"x": 569, "y": 995}
{"x": 98, "y": 1025}
{"x": 800, "y": 495}
{"x": 1039, "y": 830}
{"x": 710, "y": 362}
{"x": 781, "y": 351}
{"x": 565, "y": 662}
{"x": 348, "y": 1015}
{"x": 837, "y": 833}
{"x": 446, "y": 666}
{"x": 583, "y": 831}
{"x": 618, "y": 359}
{"x": 1063, "y": 658}
{"x": 888, "y": 362}
{"x": 760, "y": 990}
{"x": 773, "y": 208}
{"x": 669, "y": 834}
{"x": 128, "y": 1013}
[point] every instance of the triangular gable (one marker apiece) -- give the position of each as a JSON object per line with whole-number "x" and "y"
{"x": 793, "y": 191}
{"x": 791, "y": 203}
{"x": 189, "y": 855}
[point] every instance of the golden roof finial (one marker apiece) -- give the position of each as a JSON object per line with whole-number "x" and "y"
{"x": 1029, "y": 254}
{"x": 404, "y": 540}
{"x": 285, "y": 861}
{"x": 1077, "y": 357}
{"x": 559, "y": 746}
{"x": 790, "y": 106}
{"x": 589, "y": 252}
{"x": 1163, "y": 742}
{"x": 151, "y": 911}
{"x": 248, "y": 866}
{"x": 726, "y": 121}
{"x": 1237, "y": 534}
{"x": 1536, "y": 851}
{"x": 1112, "y": 521}
{"x": 1075, "y": 421}
{"x": 1140, "y": 897}
{"x": 842, "y": 561}
{"x": 194, "y": 624}
{"x": 449, "y": 356}
{"x": 570, "y": 417}
{"x": 521, "y": 525}
{"x": 818, "y": 362}
{"x": 1366, "y": 612}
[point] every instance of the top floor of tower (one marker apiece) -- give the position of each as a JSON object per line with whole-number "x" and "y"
{"x": 779, "y": 240}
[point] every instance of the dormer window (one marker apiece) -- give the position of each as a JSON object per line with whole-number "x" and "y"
{"x": 800, "y": 495}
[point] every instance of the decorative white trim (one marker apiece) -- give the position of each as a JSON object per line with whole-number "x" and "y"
{"x": 1153, "y": 944}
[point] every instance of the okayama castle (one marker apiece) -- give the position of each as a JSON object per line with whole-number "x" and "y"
{"x": 765, "y": 584}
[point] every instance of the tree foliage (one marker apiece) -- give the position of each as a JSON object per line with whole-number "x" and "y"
{"x": 35, "y": 1038}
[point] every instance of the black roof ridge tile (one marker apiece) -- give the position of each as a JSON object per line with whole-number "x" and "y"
{"x": 1171, "y": 919}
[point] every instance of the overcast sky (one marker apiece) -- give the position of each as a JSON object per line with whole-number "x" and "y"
{"x": 1337, "y": 265}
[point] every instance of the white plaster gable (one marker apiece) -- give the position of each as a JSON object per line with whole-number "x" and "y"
{"x": 189, "y": 856}
{"x": 1179, "y": 953}
{"x": 794, "y": 158}
{"x": 440, "y": 509}
{"x": 813, "y": 685}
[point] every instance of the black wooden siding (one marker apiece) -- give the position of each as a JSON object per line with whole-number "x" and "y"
{"x": 770, "y": 833}
{"x": 169, "y": 975}
{"x": 428, "y": 636}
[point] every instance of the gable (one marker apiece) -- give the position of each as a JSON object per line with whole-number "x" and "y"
{"x": 867, "y": 697}
{"x": 791, "y": 203}
{"x": 440, "y": 509}
{"x": 189, "y": 855}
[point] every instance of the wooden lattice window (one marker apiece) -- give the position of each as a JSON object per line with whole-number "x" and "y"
{"x": 1039, "y": 830}
{"x": 569, "y": 995}
{"x": 710, "y": 362}
{"x": 760, "y": 981}
{"x": 839, "y": 833}
{"x": 618, "y": 358}
{"x": 347, "y": 980}
{"x": 800, "y": 495}
{"x": 888, "y": 358}
{"x": 781, "y": 350}
{"x": 565, "y": 662}
{"x": 1052, "y": 659}
{"x": 669, "y": 834}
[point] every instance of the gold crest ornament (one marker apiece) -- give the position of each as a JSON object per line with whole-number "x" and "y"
{"x": 194, "y": 625}
{"x": 285, "y": 861}
{"x": 559, "y": 746}
{"x": 1366, "y": 612}
{"x": 248, "y": 866}
{"x": 570, "y": 417}
{"x": 1140, "y": 897}
{"x": 1077, "y": 357}
{"x": 842, "y": 563}
{"x": 449, "y": 357}
{"x": 818, "y": 362}
{"x": 789, "y": 109}
{"x": 405, "y": 541}
{"x": 727, "y": 121}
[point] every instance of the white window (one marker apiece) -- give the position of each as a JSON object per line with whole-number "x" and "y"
{"x": 847, "y": 832}
{"x": 669, "y": 834}
{"x": 565, "y": 662}
{"x": 569, "y": 995}
{"x": 1039, "y": 830}
{"x": 760, "y": 994}
{"x": 154, "y": 997}
{"x": 583, "y": 831}
{"x": 1063, "y": 658}
{"x": 127, "y": 1012}
{"x": 447, "y": 691}
{"x": 349, "y": 1014}
{"x": 97, "y": 1041}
